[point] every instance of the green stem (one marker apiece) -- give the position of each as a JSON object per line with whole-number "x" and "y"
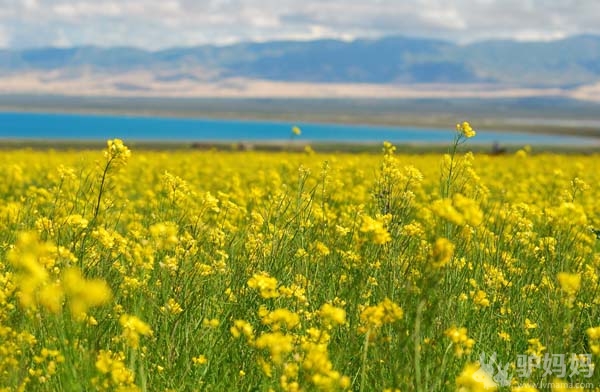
{"x": 442, "y": 368}
{"x": 446, "y": 190}
{"x": 363, "y": 370}
{"x": 101, "y": 190}
{"x": 417, "y": 343}
{"x": 143, "y": 380}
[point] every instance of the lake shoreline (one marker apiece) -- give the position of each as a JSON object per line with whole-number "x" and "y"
{"x": 390, "y": 113}
{"x": 27, "y": 127}
{"x": 288, "y": 147}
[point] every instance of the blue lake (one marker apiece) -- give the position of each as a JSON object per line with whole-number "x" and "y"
{"x": 44, "y": 126}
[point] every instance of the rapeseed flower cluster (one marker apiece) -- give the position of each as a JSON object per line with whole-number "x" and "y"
{"x": 376, "y": 229}
{"x": 474, "y": 379}
{"x": 593, "y": 334}
{"x": 114, "y": 374}
{"x": 266, "y": 285}
{"x": 133, "y": 328}
{"x": 465, "y": 129}
{"x": 442, "y": 252}
{"x": 374, "y": 317}
{"x": 463, "y": 345}
{"x": 218, "y": 270}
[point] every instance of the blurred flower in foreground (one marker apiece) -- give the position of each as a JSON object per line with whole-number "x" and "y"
{"x": 474, "y": 379}
{"x": 569, "y": 283}
{"x": 133, "y": 327}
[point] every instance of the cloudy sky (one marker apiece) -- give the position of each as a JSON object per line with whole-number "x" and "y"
{"x": 155, "y": 24}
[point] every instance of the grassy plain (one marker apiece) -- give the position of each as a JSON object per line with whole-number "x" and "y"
{"x": 212, "y": 270}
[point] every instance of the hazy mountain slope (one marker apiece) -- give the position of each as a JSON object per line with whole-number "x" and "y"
{"x": 564, "y": 63}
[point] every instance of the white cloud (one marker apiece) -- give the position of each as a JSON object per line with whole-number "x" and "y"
{"x": 61, "y": 40}
{"x": 446, "y": 18}
{"x": 532, "y": 35}
{"x": 30, "y": 4}
{"x": 163, "y": 23}
{"x": 4, "y": 40}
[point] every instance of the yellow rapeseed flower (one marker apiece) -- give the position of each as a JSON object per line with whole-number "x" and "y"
{"x": 462, "y": 343}
{"x": 373, "y": 317}
{"x": 116, "y": 375}
{"x": 281, "y": 318}
{"x": 504, "y": 336}
{"x": 171, "y": 307}
{"x": 266, "y": 284}
{"x": 242, "y": 327}
{"x": 569, "y": 283}
{"x": 30, "y": 256}
{"x": 442, "y": 252}
{"x": 473, "y": 378}
{"x": 200, "y": 360}
{"x": 535, "y": 347}
{"x": 84, "y": 293}
{"x": 480, "y": 298}
{"x": 465, "y": 129}
{"x": 165, "y": 235}
{"x": 133, "y": 327}
{"x": 530, "y": 324}
{"x": 593, "y": 334}
{"x": 116, "y": 152}
{"x": 210, "y": 323}
{"x": 277, "y": 343}
{"x": 376, "y": 228}
{"x": 51, "y": 296}
{"x": 332, "y": 315}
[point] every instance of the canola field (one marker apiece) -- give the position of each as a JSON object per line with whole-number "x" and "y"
{"x": 249, "y": 271}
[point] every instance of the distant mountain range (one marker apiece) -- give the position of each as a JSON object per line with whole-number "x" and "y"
{"x": 565, "y": 64}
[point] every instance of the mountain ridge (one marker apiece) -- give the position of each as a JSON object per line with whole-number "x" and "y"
{"x": 397, "y": 59}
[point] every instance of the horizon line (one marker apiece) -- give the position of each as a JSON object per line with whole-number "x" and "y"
{"x": 308, "y": 40}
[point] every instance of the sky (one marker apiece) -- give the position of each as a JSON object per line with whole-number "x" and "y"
{"x": 158, "y": 24}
